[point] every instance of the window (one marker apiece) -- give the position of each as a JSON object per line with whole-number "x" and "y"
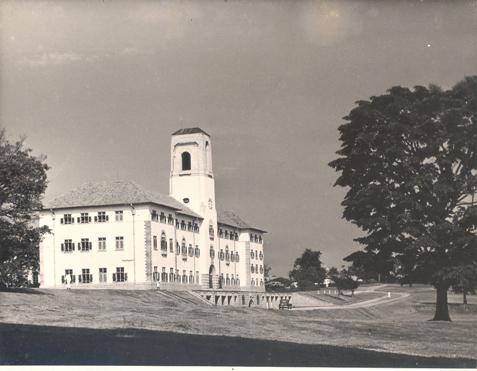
{"x": 211, "y": 231}
{"x": 102, "y": 217}
{"x": 197, "y": 277}
{"x": 163, "y": 243}
{"x": 261, "y": 282}
{"x": 252, "y": 255}
{"x": 237, "y": 256}
{"x": 120, "y": 275}
{"x": 191, "y": 251}
{"x": 163, "y": 217}
{"x": 68, "y": 246}
{"x": 236, "y": 236}
{"x": 227, "y": 280}
{"x": 189, "y": 226}
{"x": 260, "y": 255}
{"x": 253, "y": 282}
{"x": 67, "y": 219}
{"x": 196, "y": 227}
{"x": 178, "y": 224}
{"x": 261, "y": 269}
{"x": 212, "y": 252}
{"x": 186, "y": 162}
{"x": 163, "y": 275}
{"x": 221, "y": 255}
{"x": 171, "y": 274}
{"x": 178, "y": 249}
{"x": 260, "y": 239}
{"x": 197, "y": 251}
{"x": 102, "y": 243}
{"x": 84, "y": 245}
{"x": 251, "y": 237}
{"x": 154, "y": 216}
{"x": 232, "y": 257}
{"x": 178, "y": 276}
{"x": 256, "y": 268}
{"x": 232, "y": 280}
{"x": 103, "y": 276}
{"x": 183, "y": 225}
{"x": 252, "y": 269}
{"x": 170, "y": 219}
{"x": 171, "y": 245}
{"x": 191, "y": 277}
{"x": 184, "y": 277}
{"x": 119, "y": 243}
{"x": 237, "y": 281}
{"x": 70, "y": 273}
{"x": 221, "y": 233}
{"x": 226, "y": 234}
{"x": 154, "y": 242}
{"x": 184, "y": 248}
{"x": 84, "y": 218}
{"x": 118, "y": 215}
{"x": 85, "y": 276}
{"x": 155, "y": 274}
{"x": 227, "y": 254}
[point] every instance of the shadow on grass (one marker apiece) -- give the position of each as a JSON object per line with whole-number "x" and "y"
{"x": 23, "y": 290}
{"x": 28, "y": 344}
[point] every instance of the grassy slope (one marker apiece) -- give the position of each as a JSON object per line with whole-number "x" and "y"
{"x": 398, "y": 327}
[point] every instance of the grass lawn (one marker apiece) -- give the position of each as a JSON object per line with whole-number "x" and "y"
{"x": 399, "y": 327}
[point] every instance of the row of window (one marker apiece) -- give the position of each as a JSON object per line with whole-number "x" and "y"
{"x": 228, "y": 256}
{"x": 255, "y": 269}
{"x": 87, "y": 245}
{"x": 172, "y": 276}
{"x": 255, "y": 238}
{"x": 85, "y": 218}
{"x": 87, "y": 277}
{"x": 256, "y": 282}
{"x": 256, "y": 254}
{"x": 189, "y": 226}
{"x": 228, "y": 235}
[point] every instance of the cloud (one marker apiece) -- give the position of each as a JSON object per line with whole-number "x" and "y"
{"x": 52, "y": 58}
{"x": 326, "y": 22}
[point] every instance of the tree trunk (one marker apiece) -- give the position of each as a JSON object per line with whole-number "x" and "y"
{"x": 442, "y": 309}
{"x": 465, "y": 297}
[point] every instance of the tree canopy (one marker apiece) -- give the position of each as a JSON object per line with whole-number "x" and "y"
{"x": 23, "y": 181}
{"x": 409, "y": 161}
{"x": 308, "y": 270}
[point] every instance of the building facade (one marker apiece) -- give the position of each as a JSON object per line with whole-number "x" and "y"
{"x": 119, "y": 235}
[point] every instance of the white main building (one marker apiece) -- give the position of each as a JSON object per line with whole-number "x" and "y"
{"x": 116, "y": 234}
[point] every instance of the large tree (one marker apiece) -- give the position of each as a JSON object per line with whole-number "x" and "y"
{"x": 22, "y": 183}
{"x": 307, "y": 269}
{"x": 409, "y": 161}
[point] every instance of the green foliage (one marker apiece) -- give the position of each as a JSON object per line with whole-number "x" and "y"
{"x": 308, "y": 270}
{"x": 22, "y": 183}
{"x": 343, "y": 280}
{"x": 409, "y": 160}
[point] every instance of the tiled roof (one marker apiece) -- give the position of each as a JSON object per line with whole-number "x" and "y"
{"x": 190, "y": 131}
{"x": 231, "y": 219}
{"x": 114, "y": 193}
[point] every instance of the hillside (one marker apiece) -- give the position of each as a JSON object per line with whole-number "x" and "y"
{"x": 401, "y": 326}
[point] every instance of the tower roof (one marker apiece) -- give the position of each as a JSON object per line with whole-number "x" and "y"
{"x": 189, "y": 131}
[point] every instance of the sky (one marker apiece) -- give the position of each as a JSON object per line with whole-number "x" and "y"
{"x": 99, "y": 86}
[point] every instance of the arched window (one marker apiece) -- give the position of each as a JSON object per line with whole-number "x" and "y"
{"x": 252, "y": 269}
{"x": 237, "y": 257}
{"x": 211, "y": 230}
{"x": 253, "y": 282}
{"x": 184, "y": 247}
{"x": 163, "y": 242}
{"x": 197, "y": 251}
{"x": 212, "y": 252}
{"x": 191, "y": 250}
{"x": 185, "y": 161}
{"x": 252, "y": 255}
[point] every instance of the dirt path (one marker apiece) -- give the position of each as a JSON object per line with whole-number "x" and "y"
{"x": 385, "y": 299}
